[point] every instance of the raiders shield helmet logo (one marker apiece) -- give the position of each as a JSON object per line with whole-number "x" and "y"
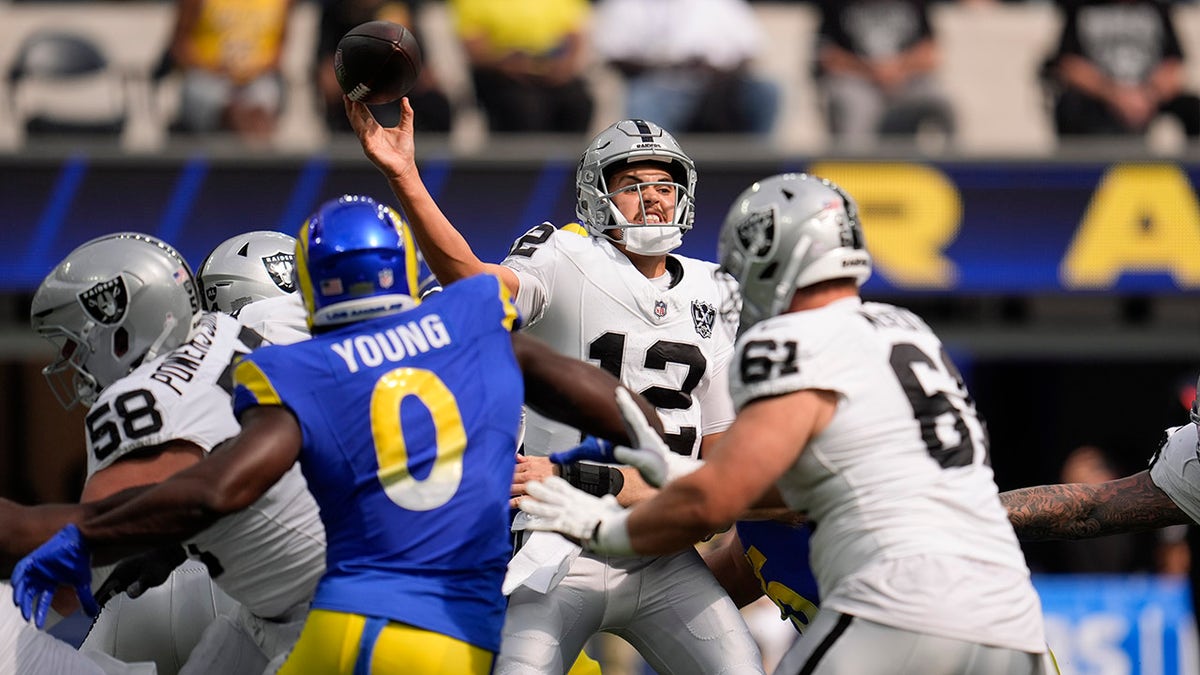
{"x": 280, "y": 267}
{"x": 704, "y": 315}
{"x": 756, "y": 233}
{"x": 106, "y": 301}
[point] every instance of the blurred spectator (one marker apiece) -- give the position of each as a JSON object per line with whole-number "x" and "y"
{"x": 686, "y": 63}
{"x": 228, "y": 52}
{"x": 1118, "y": 553}
{"x": 430, "y": 104}
{"x": 1119, "y": 65}
{"x": 876, "y": 66}
{"x": 527, "y": 60}
{"x": 1172, "y": 555}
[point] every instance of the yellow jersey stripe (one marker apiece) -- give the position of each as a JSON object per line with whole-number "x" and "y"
{"x": 247, "y": 374}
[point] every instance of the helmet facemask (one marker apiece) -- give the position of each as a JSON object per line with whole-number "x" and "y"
{"x": 643, "y": 237}
{"x": 67, "y": 376}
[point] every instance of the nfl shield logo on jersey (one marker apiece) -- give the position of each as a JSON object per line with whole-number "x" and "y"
{"x": 704, "y": 316}
{"x": 106, "y": 301}
{"x": 279, "y": 268}
{"x": 660, "y": 308}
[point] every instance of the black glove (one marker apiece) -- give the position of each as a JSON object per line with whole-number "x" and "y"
{"x": 137, "y": 574}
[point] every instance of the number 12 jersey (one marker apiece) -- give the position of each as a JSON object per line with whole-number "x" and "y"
{"x": 665, "y": 339}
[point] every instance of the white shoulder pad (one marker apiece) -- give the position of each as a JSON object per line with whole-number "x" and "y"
{"x": 280, "y": 320}
{"x": 1175, "y": 468}
{"x": 178, "y": 396}
{"x": 535, "y": 257}
{"x": 535, "y": 249}
{"x": 793, "y": 352}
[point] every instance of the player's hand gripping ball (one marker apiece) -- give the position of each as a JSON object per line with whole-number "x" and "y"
{"x": 377, "y": 62}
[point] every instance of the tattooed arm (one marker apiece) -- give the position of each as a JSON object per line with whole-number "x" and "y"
{"x": 1084, "y": 510}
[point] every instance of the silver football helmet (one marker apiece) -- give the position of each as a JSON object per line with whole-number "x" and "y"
{"x": 111, "y": 304}
{"x": 246, "y": 268}
{"x": 787, "y": 232}
{"x": 622, "y": 143}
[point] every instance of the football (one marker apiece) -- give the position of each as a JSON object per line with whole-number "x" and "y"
{"x": 377, "y": 62}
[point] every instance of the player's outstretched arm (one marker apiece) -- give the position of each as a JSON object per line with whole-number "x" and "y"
{"x": 574, "y": 392}
{"x": 1085, "y": 510}
{"x": 24, "y": 528}
{"x": 228, "y": 480}
{"x": 393, "y": 151}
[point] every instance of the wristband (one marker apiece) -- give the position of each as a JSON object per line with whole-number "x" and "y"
{"x": 595, "y": 479}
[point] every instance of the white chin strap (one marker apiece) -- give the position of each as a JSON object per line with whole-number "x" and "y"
{"x": 652, "y": 240}
{"x": 648, "y": 239}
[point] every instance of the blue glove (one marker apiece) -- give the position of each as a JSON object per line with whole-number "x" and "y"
{"x": 592, "y": 449}
{"x": 64, "y": 559}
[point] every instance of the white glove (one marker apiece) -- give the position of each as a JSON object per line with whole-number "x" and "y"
{"x": 597, "y": 523}
{"x": 649, "y": 454}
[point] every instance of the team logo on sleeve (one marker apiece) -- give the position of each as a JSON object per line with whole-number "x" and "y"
{"x": 279, "y": 268}
{"x": 106, "y": 301}
{"x": 704, "y": 316}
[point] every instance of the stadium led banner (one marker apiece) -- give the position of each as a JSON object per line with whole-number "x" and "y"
{"x": 942, "y": 228}
{"x": 1119, "y": 625}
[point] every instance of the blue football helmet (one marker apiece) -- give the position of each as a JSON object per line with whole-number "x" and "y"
{"x": 356, "y": 260}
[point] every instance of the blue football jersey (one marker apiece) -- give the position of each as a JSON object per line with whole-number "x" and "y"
{"x": 410, "y": 425}
{"x": 778, "y": 554}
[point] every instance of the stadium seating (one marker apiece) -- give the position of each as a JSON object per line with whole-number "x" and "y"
{"x": 991, "y": 56}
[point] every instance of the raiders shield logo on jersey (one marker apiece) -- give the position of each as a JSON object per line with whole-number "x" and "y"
{"x": 704, "y": 315}
{"x": 106, "y": 301}
{"x": 279, "y": 268}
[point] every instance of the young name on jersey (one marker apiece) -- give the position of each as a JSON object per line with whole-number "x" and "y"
{"x": 394, "y": 344}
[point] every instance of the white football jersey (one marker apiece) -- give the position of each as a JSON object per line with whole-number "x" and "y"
{"x": 908, "y": 529}
{"x": 178, "y": 396}
{"x": 281, "y": 320}
{"x": 671, "y": 344}
{"x": 267, "y": 557}
{"x": 1175, "y": 469}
